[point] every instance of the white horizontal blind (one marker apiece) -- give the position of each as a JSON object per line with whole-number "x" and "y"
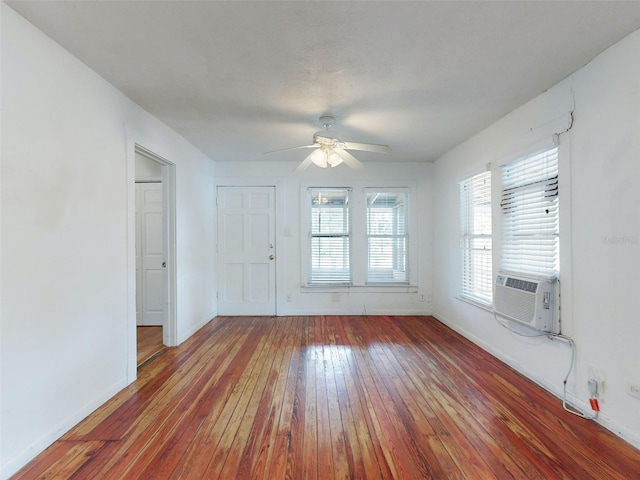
{"x": 476, "y": 240}
{"x": 530, "y": 215}
{"x": 387, "y": 236}
{"x": 329, "y": 236}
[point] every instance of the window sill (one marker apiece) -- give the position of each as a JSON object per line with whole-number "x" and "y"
{"x": 383, "y": 288}
{"x": 483, "y": 306}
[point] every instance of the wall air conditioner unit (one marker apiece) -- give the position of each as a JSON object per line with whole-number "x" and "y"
{"x": 529, "y": 301}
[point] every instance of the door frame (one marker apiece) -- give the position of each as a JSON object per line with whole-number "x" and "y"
{"x": 170, "y": 330}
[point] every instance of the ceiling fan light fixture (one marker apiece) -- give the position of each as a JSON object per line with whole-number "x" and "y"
{"x": 330, "y": 150}
{"x": 319, "y": 157}
{"x": 334, "y": 159}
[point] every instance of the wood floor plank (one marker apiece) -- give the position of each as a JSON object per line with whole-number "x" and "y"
{"x": 203, "y": 447}
{"x": 515, "y": 435}
{"x": 211, "y": 398}
{"x": 61, "y": 460}
{"x": 337, "y": 432}
{"x": 385, "y": 419}
{"x": 477, "y": 452}
{"x": 251, "y": 424}
{"x": 326, "y": 464}
{"x": 446, "y": 449}
{"x": 324, "y": 397}
{"x": 293, "y": 431}
{"x": 267, "y": 456}
{"x": 149, "y": 342}
{"x": 374, "y": 458}
{"x": 166, "y": 446}
{"x": 309, "y": 430}
{"x": 354, "y": 455}
{"x": 471, "y": 413}
{"x": 77, "y": 456}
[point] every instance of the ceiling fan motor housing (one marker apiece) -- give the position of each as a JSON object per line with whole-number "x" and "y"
{"x": 323, "y": 138}
{"x": 327, "y": 121}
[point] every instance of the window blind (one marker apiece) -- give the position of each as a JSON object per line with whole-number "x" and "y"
{"x": 530, "y": 217}
{"x": 387, "y": 237}
{"x": 476, "y": 238}
{"x": 329, "y": 236}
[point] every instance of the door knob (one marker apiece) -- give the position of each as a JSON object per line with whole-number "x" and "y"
{"x": 271, "y": 257}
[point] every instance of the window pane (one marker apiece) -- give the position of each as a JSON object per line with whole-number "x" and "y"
{"x": 329, "y": 220}
{"x": 387, "y": 237}
{"x": 329, "y": 240}
{"x": 477, "y": 281}
{"x": 330, "y": 260}
{"x": 476, "y": 242}
{"x": 530, "y": 215}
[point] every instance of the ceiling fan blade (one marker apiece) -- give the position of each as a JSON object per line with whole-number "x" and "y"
{"x": 291, "y": 148}
{"x": 305, "y": 163}
{"x": 367, "y": 147}
{"x": 349, "y": 159}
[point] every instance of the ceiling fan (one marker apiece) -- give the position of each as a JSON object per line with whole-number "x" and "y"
{"x": 331, "y": 151}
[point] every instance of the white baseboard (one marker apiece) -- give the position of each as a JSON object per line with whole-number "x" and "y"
{"x": 12, "y": 465}
{"x": 324, "y": 311}
{"x": 195, "y": 328}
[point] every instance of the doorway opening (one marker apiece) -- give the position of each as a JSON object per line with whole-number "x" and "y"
{"x": 154, "y": 255}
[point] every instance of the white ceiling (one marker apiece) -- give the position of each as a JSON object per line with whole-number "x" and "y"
{"x": 240, "y": 78}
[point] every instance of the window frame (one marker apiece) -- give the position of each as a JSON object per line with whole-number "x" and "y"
{"x": 398, "y": 276}
{"x": 358, "y": 238}
{"x": 345, "y": 234}
{"x": 476, "y": 271}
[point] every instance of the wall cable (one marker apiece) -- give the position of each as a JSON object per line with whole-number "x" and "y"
{"x": 565, "y": 405}
{"x": 556, "y": 336}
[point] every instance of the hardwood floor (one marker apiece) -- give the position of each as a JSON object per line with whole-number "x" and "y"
{"x": 149, "y": 343}
{"x": 333, "y": 397}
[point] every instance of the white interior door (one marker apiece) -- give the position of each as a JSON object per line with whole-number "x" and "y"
{"x": 151, "y": 280}
{"x": 246, "y": 251}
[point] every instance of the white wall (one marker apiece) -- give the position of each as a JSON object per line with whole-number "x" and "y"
{"x": 68, "y": 275}
{"x": 289, "y": 234}
{"x": 147, "y": 169}
{"x": 600, "y": 232}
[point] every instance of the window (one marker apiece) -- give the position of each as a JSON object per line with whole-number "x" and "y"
{"x": 530, "y": 215}
{"x": 475, "y": 215}
{"x": 329, "y": 236}
{"x": 387, "y": 236}
{"x": 358, "y": 237}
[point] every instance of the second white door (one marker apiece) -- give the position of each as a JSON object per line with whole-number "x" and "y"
{"x": 246, "y": 251}
{"x": 151, "y": 286}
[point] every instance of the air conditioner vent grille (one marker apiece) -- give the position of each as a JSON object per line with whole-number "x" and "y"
{"x": 529, "y": 301}
{"x": 517, "y": 304}
{"x": 523, "y": 285}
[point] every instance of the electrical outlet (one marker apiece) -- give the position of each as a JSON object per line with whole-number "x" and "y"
{"x": 422, "y": 297}
{"x": 596, "y": 374}
{"x": 596, "y": 378}
{"x": 289, "y": 298}
{"x": 592, "y": 384}
{"x": 335, "y": 297}
{"x": 633, "y": 390}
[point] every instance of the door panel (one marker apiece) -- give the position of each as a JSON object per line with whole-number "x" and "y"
{"x": 151, "y": 286}
{"x": 246, "y": 251}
